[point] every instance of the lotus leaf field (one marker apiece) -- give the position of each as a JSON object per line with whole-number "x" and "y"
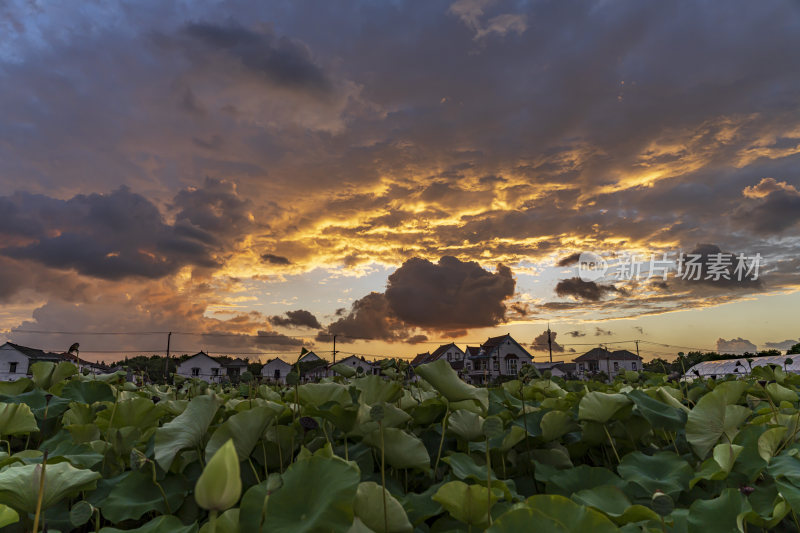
{"x": 388, "y": 453}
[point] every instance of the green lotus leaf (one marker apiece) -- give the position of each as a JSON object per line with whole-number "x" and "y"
{"x": 428, "y": 412}
{"x": 19, "y": 485}
{"x": 421, "y": 507}
{"x": 664, "y": 471}
{"x": 714, "y": 415}
{"x": 62, "y": 446}
{"x": 601, "y": 407}
{"x": 254, "y": 504}
{"x": 227, "y": 522}
{"x": 466, "y": 425}
{"x": 317, "y": 495}
{"x": 779, "y": 393}
{"x": 219, "y": 487}
{"x": 552, "y": 512}
{"x": 445, "y": 380}
{"x": 46, "y": 373}
{"x": 80, "y": 513}
{"x": 659, "y": 414}
{"x": 466, "y": 503}
{"x": 316, "y": 394}
{"x": 718, "y": 515}
{"x": 16, "y": 419}
{"x": 184, "y": 431}
{"x": 402, "y": 450}
{"x": 344, "y": 370}
{"x": 613, "y": 502}
{"x": 554, "y": 424}
{"x": 582, "y": 477}
{"x": 159, "y": 524}
{"x": 87, "y": 392}
{"x": 139, "y": 412}
{"x": 8, "y": 515}
{"x": 463, "y": 466}
{"x": 245, "y": 428}
{"x": 376, "y": 389}
{"x": 12, "y": 388}
{"x": 368, "y": 507}
{"x": 136, "y": 494}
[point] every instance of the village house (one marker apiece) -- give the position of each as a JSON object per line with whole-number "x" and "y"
{"x": 359, "y": 363}
{"x": 557, "y": 369}
{"x": 498, "y": 356}
{"x": 203, "y": 366}
{"x": 611, "y": 363}
{"x": 275, "y": 370}
{"x": 313, "y": 367}
{"x": 16, "y": 360}
{"x": 450, "y": 352}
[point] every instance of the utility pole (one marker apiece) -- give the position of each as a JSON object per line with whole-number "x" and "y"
{"x": 166, "y": 363}
{"x": 334, "y": 349}
{"x": 637, "y": 348}
{"x": 549, "y": 343}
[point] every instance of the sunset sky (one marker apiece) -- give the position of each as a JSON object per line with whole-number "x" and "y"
{"x": 400, "y": 174}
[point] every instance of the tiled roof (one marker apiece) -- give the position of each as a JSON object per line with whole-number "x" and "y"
{"x": 601, "y": 354}
{"x": 35, "y": 353}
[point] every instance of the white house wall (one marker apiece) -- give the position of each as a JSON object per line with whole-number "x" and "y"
{"x": 9, "y": 355}
{"x": 206, "y": 366}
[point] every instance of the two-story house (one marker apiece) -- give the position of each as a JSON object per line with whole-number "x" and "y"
{"x": 611, "y": 363}
{"x": 498, "y": 356}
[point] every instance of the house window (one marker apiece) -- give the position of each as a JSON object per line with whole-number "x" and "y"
{"x": 497, "y": 365}
{"x": 511, "y": 366}
{"x": 277, "y": 374}
{"x": 581, "y": 368}
{"x": 616, "y": 366}
{"x": 592, "y": 366}
{"x": 215, "y": 371}
{"x": 195, "y": 372}
{"x": 449, "y": 356}
{"x": 633, "y": 366}
{"x": 12, "y": 368}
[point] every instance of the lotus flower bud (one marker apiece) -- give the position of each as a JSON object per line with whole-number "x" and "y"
{"x": 220, "y": 485}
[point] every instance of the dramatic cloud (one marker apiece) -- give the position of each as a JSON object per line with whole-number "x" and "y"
{"x": 297, "y": 318}
{"x": 735, "y": 346}
{"x": 782, "y": 345}
{"x": 445, "y": 296}
{"x": 121, "y": 234}
{"x": 583, "y": 290}
{"x": 540, "y": 344}
{"x": 569, "y": 260}
{"x": 275, "y": 259}
{"x": 450, "y": 294}
{"x": 598, "y": 332}
{"x": 576, "y": 333}
{"x": 774, "y": 207}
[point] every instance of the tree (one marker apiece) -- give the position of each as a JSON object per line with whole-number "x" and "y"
{"x": 794, "y": 349}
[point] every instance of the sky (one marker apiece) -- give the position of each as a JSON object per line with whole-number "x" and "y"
{"x": 261, "y": 176}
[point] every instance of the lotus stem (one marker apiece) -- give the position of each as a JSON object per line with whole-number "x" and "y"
{"x": 383, "y": 480}
{"x": 441, "y": 441}
{"x": 160, "y": 488}
{"x": 41, "y": 493}
{"x": 488, "y": 482}
{"x": 613, "y": 447}
{"x": 212, "y": 521}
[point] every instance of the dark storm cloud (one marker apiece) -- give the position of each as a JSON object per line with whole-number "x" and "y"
{"x": 279, "y": 60}
{"x": 540, "y": 342}
{"x": 583, "y": 290}
{"x": 273, "y": 259}
{"x": 774, "y": 208}
{"x": 122, "y": 234}
{"x": 296, "y": 318}
{"x": 569, "y": 260}
{"x": 445, "y": 296}
{"x": 450, "y": 294}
